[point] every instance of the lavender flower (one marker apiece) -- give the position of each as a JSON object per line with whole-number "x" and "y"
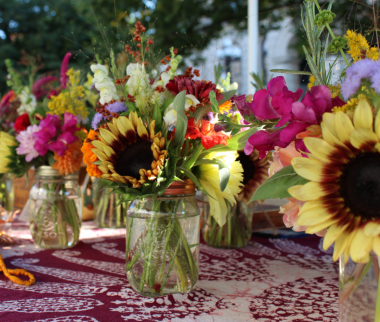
{"x": 96, "y": 120}
{"x": 362, "y": 69}
{"x": 27, "y": 140}
{"x": 117, "y": 107}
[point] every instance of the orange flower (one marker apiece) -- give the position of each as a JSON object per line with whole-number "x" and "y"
{"x": 225, "y": 107}
{"x": 206, "y": 133}
{"x": 89, "y": 157}
{"x": 71, "y": 161}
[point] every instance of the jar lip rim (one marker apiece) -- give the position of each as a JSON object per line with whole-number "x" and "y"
{"x": 184, "y": 187}
{"x": 48, "y": 171}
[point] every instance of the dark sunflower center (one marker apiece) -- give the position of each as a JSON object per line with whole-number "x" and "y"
{"x": 248, "y": 167}
{"x": 135, "y": 157}
{"x": 360, "y": 185}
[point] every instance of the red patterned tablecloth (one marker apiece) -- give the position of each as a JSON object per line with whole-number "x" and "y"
{"x": 269, "y": 280}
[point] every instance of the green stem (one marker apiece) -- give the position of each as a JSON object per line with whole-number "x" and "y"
{"x": 198, "y": 147}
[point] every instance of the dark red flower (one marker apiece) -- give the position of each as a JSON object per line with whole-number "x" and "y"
{"x": 206, "y": 133}
{"x": 22, "y": 122}
{"x": 200, "y": 89}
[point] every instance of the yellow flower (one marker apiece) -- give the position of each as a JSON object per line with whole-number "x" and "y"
{"x": 335, "y": 90}
{"x": 71, "y": 99}
{"x": 359, "y": 47}
{"x": 208, "y": 176}
{"x": 129, "y": 152}
{"x": 351, "y": 105}
{"x": 311, "y": 82}
{"x": 343, "y": 193}
{"x": 6, "y": 141}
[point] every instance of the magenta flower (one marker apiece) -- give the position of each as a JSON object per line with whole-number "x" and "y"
{"x": 69, "y": 123}
{"x": 62, "y": 143}
{"x": 64, "y": 68}
{"x": 276, "y": 102}
{"x": 38, "y": 87}
{"x": 49, "y": 128}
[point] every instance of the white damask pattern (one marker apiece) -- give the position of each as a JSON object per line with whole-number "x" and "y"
{"x": 109, "y": 249}
{"x": 52, "y": 304}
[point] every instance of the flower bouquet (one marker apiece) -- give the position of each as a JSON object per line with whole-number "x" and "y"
{"x": 48, "y": 136}
{"x": 153, "y": 143}
{"x": 327, "y": 158}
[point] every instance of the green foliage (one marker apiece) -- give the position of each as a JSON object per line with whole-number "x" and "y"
{"x": 179, "y": 107}
{"x": 258, "y": 80}
{"x": 277, "y": 186}
{"x": 323, "y": 18}
{"x": 337, "y": 44}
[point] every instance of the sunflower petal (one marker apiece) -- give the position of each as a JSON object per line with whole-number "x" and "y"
{"x": 314, "y": 170}
{"x": 152, "y": 125}
{"x": 314, "y": 216}
{"x": 100, "y": 154}
{"x": 377, "y": 125}
{"x": 342, "y": 243}
{"x": 361, "y": 246}
{"x": 109, "y": 152}
{"x": 372, "y": 229}
{"x": 141, "y": 130}
{"x": 113, "y": 129}
{"x": 107, "y": 136}
{"x": 312, "y": 190}
{"x": 376, "y": 245}
{"x": 329, "y": 121}
{"x": 333, "y": 140}
{"x": 343, "y": 126}
{"x": 322, "y": 150}
{"x": 323, "y": 225}
{"x": 333, "y": 233}
{"x": 98, "y": 144}
{"x": 133, "y": 117}
{"x": 124, "y": 125}
{"x": 363, "y": 117}
{"x": 364, "y": 139}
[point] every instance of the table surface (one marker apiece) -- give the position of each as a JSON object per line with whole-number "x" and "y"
{"x": 269, "y": 280}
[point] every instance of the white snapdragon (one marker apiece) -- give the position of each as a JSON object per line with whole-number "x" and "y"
{"x": 191, "y": 100}
{"x": 28, "y": 103}
{"x": 107, "y": 92}
{"x": 170, "y": 116}
{"x": 138, "y": 82}
{"x": 100, "y": 73}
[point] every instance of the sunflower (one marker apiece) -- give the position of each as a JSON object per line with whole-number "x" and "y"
{"x": 255, "y": 173}
{"x": 343, "y": 193}
{"x": 6, "y": 143}
{"x": 128, "y": 153}
{"x": 71, "y": 161}
{"x": 208, "y": 176}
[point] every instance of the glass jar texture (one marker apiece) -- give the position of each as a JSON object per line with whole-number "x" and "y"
{"x": 162, "y": 244}
{"x": 55, "y": 209}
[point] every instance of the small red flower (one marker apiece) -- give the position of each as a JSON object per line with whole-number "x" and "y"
{"x": 206, "y": 133}
{"x": 21, "y": 123}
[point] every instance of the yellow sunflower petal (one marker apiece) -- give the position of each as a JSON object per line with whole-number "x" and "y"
{"x": 323, "y": 225}
{"x": 141, "y": 130}
{"x": 361, "y": 246}
{"x": 151, "y": 129}
{"x": 372, "y": 229}
{"x": 309, "y": 191}
{"x": 320, "y": 149}
{"x": 376, "y": 245}
{"x": 113, "y": 129}
{"x": 133, "y": 117}
{"x": 363, "y": 139}
{"x": 377, "y": 124}
{"x": 103, "y": 169}
{"x": 333, "y": 140}
{"x": 329, "y": 122}
{"x": 100, "y": 154}
{"x": 314, "y": 216}
{"x": 363, "y": 117}
{"x": 124, "y": 125}
{"x": 333, "y": 233}
{"x": 342, "y": 245}
{"x": 312, "y": 170}
{"x": 109, "y": 152}
{"x": 107, "y": 136}
{"x": 343, "y": 126}
{"x": 98, "y": 144}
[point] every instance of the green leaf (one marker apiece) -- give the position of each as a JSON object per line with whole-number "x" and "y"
{"x": 201, "y": 112}
{"x": 238, "y": 141}
{"x": 227, "y": 96}
{"x": 157, "y": 117}
{"x": 224, "y": 174}
{"x": 97, "y": 162}
{"x": 179, "y": 107}
{"x": 51, "y": 159}
{"x": 293, "y": 72}
{"x": 313, "y": 67}
{"x": 214, "y": 103}
{"x": 277, "y": 186}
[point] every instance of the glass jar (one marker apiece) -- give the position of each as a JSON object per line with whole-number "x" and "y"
{"x": 6, "y": 197}
{"x": 358, "y": 289}
{"x": 237, "y": 230}
{"x": 108, "y": 212}
{"x": 163, "y": 242}
{"x": 55, "y": 209}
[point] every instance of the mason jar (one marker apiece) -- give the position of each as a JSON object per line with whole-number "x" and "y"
{"x": 55, "y": 209}
{"x": 163, "y": 242}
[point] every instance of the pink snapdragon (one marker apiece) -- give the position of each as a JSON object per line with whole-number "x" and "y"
{"x": 54, "y": 136}
{"x": 64, "y": 68}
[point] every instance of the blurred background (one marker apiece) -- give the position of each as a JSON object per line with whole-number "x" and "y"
{"x": 209, "y": 33}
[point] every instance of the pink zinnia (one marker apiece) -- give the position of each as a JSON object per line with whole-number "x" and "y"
{"x": 27, "y": 140}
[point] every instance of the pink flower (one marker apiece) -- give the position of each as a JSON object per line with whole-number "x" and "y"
{"x": 290, "y": 211}
{"x": 62, "y": 143}
{"x": 64, "y": 68}
{"x": 69, "y": 123}
{"x": 27, "y": 140}
{"x": 38, "y": 87}
{"x": 282, "y": 157}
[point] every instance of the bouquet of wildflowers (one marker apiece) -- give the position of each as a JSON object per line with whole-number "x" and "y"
{"x": 326, "y": 157}
{"x": 152, "y": 129}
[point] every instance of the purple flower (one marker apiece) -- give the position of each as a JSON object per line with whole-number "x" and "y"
{"x": 96, "y": 120}
{"x": 27, "y": 140}
{"x": 117, "y": 107}
{"x": 365, "y": 68}
{"x": 64, "y": 68}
